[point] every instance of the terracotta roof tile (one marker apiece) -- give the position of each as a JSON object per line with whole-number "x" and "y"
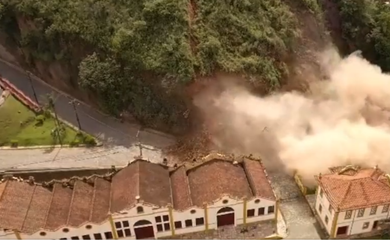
{"x": 208, "y": 182}
{"x": 180, "y": 189}
{"x": 147, "y": 180}
{"x": 101, "y": 200}
{"x": 258, "y": 179}
{"x": 14, "y": 204}
{"x": 124, "y": 188}
{"x": 154, "y": 184}
{"x": 352, "y": 191}
{"x": 38, "y": 210}
{"x": 81, "y": 204}
{"x": 59, "y": 208}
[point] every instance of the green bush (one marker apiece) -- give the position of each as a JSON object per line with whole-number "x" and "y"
{"x": 47, "y": 114}
{"x": 90, "y": 141}
{"x": 14, "y": 143}
{"x": 40, "y": 119}
{"x": 75, "y": 143}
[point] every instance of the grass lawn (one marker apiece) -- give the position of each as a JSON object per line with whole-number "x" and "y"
{"x": 18, "y": 123}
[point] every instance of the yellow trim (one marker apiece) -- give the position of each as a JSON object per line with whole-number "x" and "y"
{"x": 171, "y": 221}
{"x": 17, "y": 234}
{"x": 113, "y": 229}
{"x": 334, "y": 225}
{"x": 245, "y": 210}
{"x": 276, "y": 210}
{"x": 206, "y": 217}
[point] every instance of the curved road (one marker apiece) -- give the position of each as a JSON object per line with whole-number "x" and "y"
{"x": 110, "y": 131}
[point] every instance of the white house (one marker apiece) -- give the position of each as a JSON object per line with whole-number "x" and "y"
{"x": 353, "y": 202}
{"x": 143, "y": 200}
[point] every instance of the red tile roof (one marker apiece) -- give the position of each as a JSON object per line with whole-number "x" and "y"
{"x": 30, "y": 206}
{"x": 354, "y": 189}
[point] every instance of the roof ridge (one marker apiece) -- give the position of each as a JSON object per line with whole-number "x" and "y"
{"x": 50, "y": 205}
{"x": 346, "y": 193}
{"x": 71, "y": 202}
{"x": 93, "y": 199}
{"x": 365, "y": 195}
{"x": 138, "y": 187}
{"x": 188, "y": 186}
{"x": 248, "y": 177}
{"x": 28, "y": 208}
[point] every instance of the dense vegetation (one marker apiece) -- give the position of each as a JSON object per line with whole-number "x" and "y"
{"x": 366, "y": 27}
{"x": 138, "y": 55}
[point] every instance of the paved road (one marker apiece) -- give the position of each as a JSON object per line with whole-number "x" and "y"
{"x": 106, "y": 128}
{"x": 297, "y": 213}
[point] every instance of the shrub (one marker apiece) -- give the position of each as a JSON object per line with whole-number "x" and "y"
{"x": 39, "y": 119}
{"x": 47, "y": 114}
{"x": 75, "y": 143}
{"x": 14, "y": 143}
{"x": 90, "y": 141}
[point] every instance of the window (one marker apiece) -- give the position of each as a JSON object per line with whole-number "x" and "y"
{"x": 163, "y": 223}
{"x": 375, "y": 225}
{"x": 108, "y": 235}
{"x": 342, "y": 230}
{"x": 373, "y": 210}
{"x": 271, "y": 209}
{"x": 178, "y": 225}
{"x": 361, "y": 212}
{"x": 88, "y": 226}
{"x": 98, "y": 236}
{"x": 63, "y": 239}
{"x": 250, "y": 213}
{"x": 366, "y": 225}
{"x": 140, "y": 209}
{"x": 42, "y": 233}
{"x": 330, "y": 209}
{"x": 193, "y": 211}
{"x": 65, "y": 230}
{"x": 199, "y": 221}
{"x": 320, "y": 208}
{"x": 225, "y": 201}
{"x": 75, "y": 238}
{"x": 385, "y": 208}
{"x": 86, "y": 237}
{"x": 326, "y": 219}
{"x": 348, "y": 214}
{"x": 261, "y": 211}
{"x": 257, "y": 201}
{"x": 188, "y": 223}
{"x": 123, "y": 229}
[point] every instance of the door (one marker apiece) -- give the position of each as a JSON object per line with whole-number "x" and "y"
{"x": 342, "y": 230}
{"x": 144, "y": 232}
{"x": 225, "y": 219}
{"x": 143, "y": 229}
{"x": 375, "y": 225}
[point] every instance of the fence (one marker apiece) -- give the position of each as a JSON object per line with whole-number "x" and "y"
{"x": 6, "y": 85}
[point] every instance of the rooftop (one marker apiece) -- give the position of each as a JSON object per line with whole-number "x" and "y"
{"x": 351, "y": 187}
{"x": 31, "y": 206}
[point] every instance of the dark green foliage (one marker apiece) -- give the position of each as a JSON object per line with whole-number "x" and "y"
{"x": 366, "y": 27}
{"x": 138, "y": 55}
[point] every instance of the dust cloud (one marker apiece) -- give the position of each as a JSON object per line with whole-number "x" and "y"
{"x": 342, "y": 120}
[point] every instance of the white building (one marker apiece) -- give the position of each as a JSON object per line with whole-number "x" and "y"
{"x": 353, "y": 202}
{"x": 143, "y": 200}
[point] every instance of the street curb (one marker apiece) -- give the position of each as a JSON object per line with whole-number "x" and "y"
{"x": 49, "y": 147}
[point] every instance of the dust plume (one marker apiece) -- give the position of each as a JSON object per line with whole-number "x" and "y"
{"x": 342, "y": 120}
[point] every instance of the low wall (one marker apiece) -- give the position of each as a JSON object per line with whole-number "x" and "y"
{"x": 6, "y": 85}
{"x": 300, "y": 184}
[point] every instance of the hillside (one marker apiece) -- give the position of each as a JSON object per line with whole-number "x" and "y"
{"x": 149, "y": 57}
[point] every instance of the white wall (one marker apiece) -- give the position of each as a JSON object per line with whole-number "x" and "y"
{"x": 321, "y": 199}
{"x": 73, "y": 232}
{"x": 253, "y": 204}
{"x": 7, "y": 234}
{"x": 149, "y": 214}
{"x": 355, "y": 224}
{"x": 189, "y": 214}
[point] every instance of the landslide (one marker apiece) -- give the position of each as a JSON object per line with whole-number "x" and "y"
{"x": 150, "y": 57}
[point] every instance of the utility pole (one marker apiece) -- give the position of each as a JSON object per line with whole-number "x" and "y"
{"x": 29, "y": 76}
{"x": 52, "y": 105}
{"x": 74, "y": 102}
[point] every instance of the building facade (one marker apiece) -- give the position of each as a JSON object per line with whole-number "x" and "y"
{"x": 143, "y": 200}
{"x": 353, "y": 202}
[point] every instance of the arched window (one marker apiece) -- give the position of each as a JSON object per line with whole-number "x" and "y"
{"x": 140, "y": 209}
